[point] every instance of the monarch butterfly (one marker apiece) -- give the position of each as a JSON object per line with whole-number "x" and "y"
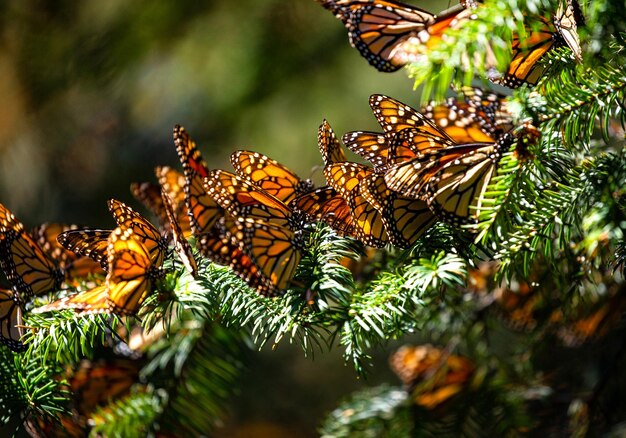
{"x": 72, "y": 266}
{"x": 173, "y": 182}
{"x": 390, "y": 34}
{"x": 180, "y": 243}
{"x": 270, "y": 232}
{"x": 479, "y": 118}
{"x": 270, "y": 175}
{"x": 130, "y": 273}
{"x": 379, "y": 28}
{"x": 451, "y": 177}
{"x": 432, "y": 375}
{"x": 243, "y": 200}
{"x": 348, "y": 179}
{"x": 543, "y": 36}
{"x": 594, "y": 323}
{"x": 203, "y": 211}
{"x": 11, "y": 330}
{"x": 327, "y": 205}
{"x": 225, "y": 248}
{"x": 405, "y": 219}
{"x": 132, "y": 270}
{"x": 25, "y": 264}
{"x": 425, "y": 162}
{"x": 148, "y": 234}
{"x": 91, "y": 385}
{"x": 373, "y": 146}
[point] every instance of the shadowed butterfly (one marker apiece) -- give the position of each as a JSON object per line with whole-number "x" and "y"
{"x": 173, "y": 182}
{"x": 431, "y": 375}
{"x": 11, "y": 330}
{"x": 74, "y": 267}
{"x": 224, "y": 246}
{"x": 23, "y": 262}
{"x": 327, "y": 205}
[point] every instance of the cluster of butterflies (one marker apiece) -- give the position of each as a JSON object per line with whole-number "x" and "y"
{"x": 391, "y": 34}
{"x": 429, "y": 165}
{"x": 425, "y": 166}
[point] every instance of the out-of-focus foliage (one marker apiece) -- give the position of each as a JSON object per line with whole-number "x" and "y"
{"x": 91, "y": 91}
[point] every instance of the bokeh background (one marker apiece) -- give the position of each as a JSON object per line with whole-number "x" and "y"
{"x": 91, "y": 90}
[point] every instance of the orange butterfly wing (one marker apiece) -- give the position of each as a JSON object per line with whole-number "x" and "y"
{"x": 25, "y": 264}
{"x": 269, "y": 175}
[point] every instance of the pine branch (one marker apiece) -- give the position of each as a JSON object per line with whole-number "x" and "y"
{"x": 66, "y": 335}
{"x": 397, "y": 303}
{"x": 576, "y": 100}
{"x": 131, "y": 416}
{"x": 204, "y": 376}
{"x": 497, "y": 202}
{"x": 558, "y": 209}
{"x": 28, "y": 388}
{"x": 476, "y": 47}
{"x": 379, "y": 412}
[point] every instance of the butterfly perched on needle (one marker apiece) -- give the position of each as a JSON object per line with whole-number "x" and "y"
{"x": 202, "y": 209}
{"x": 424, "y": 162}
{"x": 224, "y": 246}
{"x": 542, "y": 35}
{"x": 24, "y": 263}
{"x": 132, "y": 271}
{"x": 326, "y": 204}
{"x": 130, "y": 275}
{"x": 269, "y": 233}
{"x": 94, "y": 243}
{"x": 348, "y": 180}
{"x": 269, "y": 175}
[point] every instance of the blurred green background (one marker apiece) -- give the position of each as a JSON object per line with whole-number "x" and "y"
{"x": 91, "y": 91}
